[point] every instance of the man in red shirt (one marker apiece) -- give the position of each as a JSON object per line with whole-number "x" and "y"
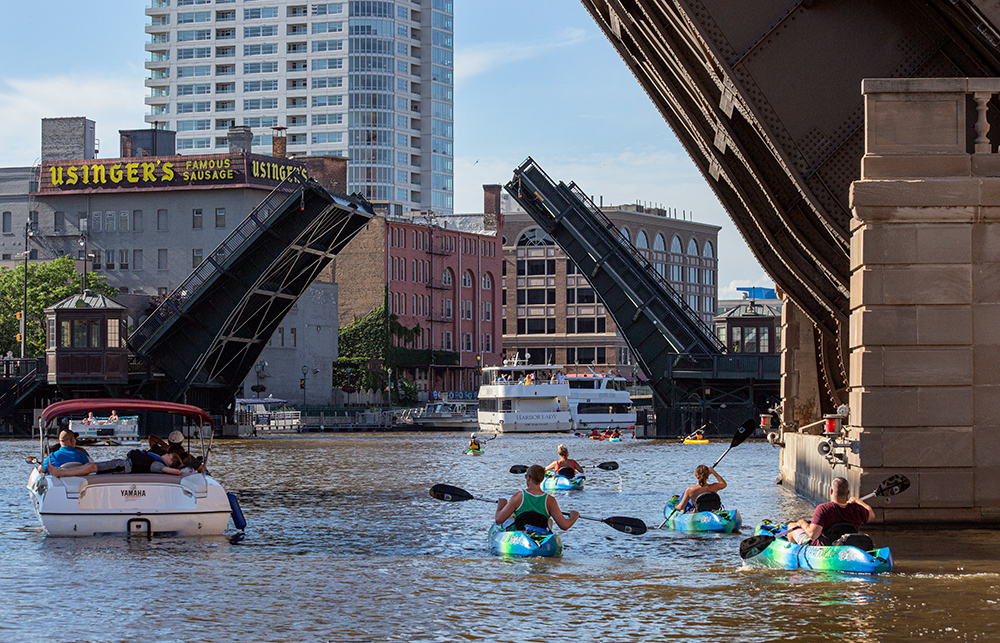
{"x": 841, "y": 509}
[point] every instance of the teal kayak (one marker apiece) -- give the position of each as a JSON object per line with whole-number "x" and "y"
{"x": 556, "y": 482}
{"x": 782, "y": 554}
{"x": 519, "y": 543}
{"x": 724, "y": 520}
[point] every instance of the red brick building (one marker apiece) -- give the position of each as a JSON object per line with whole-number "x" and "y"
{"x": 443, "y": 273}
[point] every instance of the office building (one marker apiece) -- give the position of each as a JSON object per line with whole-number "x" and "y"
{"x": 371, "y": 80}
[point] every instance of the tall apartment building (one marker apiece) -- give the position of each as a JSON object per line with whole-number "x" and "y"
{"x": 371, "y": 80}
{"x": 551, "y": 314}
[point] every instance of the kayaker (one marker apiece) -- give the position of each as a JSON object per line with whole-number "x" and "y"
{"x": 691, "y": 493}
{"x": 540, "y": 508}
{"x": 474, "y": 443}
{"x": 594, "y": 433}
{"x": 840, "y": 509}
{"x": 564, "y": 466}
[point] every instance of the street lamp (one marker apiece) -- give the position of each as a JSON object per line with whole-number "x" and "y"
{"x": 390, "y": 387}
{"x": 305, "y": 371}
{"x": 28, "y": 230}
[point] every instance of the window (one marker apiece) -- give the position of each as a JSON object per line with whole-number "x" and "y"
{"x": 96, "y": 219}
{"x": 487, "y": 281}
{"x": 487, "y": 312}
{"x": 123, "y": 221}
{"x": 123, "y": 259}
{"x": 292, "y": 340}
{"x": 196, "y": 257}
{"x": 109, "y": 259}
{"x": 58, "y": 221}
{"x": 447, "y": 308}
{"x": 137, "y": 260}
{"x": 692, "y": 248}
{"x": 7, "y": 223}
{"x": 161, "y": 259}
{"x": 196, "y": 219}
{"x": 220, "y": 217}
{"x": 109, "y": 220}
{"x": 467, "y": 280}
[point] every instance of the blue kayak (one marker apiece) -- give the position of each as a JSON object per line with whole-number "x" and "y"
{"x": 724, "y": 520}
{"x": 556, "y": 482}
{"x": 782, "y": 554}
{"x": 519, "y": 543}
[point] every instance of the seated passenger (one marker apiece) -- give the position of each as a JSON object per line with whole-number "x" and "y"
{"x": 68, "y": 457}
{"x": 692, "y": 492}
{"x": 113, "y": 418}
{"x": 840, "y": 509}
{"x": 136, "y": 462}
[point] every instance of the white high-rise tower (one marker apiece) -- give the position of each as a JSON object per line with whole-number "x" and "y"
{"x": 368, "y": 79}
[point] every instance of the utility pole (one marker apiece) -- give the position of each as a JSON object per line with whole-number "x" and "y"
{"x": 24, "y": 307}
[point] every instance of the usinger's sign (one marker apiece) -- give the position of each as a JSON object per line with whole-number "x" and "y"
{"x": 165, "y": 172}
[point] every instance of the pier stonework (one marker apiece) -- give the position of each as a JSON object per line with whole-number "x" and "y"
{"x": 925, "y": 301}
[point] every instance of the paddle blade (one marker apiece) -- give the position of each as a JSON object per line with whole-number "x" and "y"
{"x": 449, "y": 493}
{"x": 627, "y": 525}
{"x": 893, "y": 485}
{"x": 608, "y": 466}
{"x": 519, "y": 468}
{"x": 754, "y": 545}
{"x": 744, "y": 432}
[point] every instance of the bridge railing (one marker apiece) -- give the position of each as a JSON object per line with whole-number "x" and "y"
{"x": 258, "y": 219}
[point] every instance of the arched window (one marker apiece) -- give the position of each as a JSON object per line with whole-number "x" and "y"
{"x": 675, "y": 246}
{"x": 693, "y": 248}
{"x": 709, "y": 251}
{"x": 535, "y": 237}
{"x": 487, "y": 281}
{"x": 626, "y": 234}
{"x": 659, "y": 243}
{"x": 641, "y": 241}
{"x": 467, "y": 279}
{"x": 446, "y": 278}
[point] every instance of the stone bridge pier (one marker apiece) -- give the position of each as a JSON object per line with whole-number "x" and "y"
{"x": 925, "y": 309}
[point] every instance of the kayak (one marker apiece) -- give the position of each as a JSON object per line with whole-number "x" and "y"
{"x": 519, "y": 543}
{"x": 724, "y": 520}
{"x": 693, "y": 441}
{"x": 596, "y": 437}
{"x": 782, "y": 554}
{"x": 557, "y": 482}
{"x": 475, "y": 451}
{"x": 614, "y": 439}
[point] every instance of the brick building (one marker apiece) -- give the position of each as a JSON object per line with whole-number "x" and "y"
{"x": 441, "y": 272}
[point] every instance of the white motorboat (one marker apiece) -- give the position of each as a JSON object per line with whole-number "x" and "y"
{"x": 109, "y": 430}
{"x": 443, "y": 415}
{"x": 599, "y": 401}
{"x": 131, "y": 503}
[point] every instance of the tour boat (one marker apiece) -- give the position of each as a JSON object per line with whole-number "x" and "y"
{"x": 130, "y": 503}
{"x": 522, "y": 398}
{"x": 109, "y": 430}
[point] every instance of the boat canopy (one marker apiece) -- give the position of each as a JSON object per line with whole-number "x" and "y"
{"x": 100, "y": 405}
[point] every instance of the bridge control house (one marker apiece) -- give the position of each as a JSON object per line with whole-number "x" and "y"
{"x": 145, "y": 220}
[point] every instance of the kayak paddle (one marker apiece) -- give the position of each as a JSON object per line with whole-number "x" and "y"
{"x": 754, "y": 545}
{"x": 742, "y": 433}
{"x": 623, "y": 524}
{"x": 606, "y": 466}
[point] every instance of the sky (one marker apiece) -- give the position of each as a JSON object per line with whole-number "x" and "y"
{"x": 532, "y": 78}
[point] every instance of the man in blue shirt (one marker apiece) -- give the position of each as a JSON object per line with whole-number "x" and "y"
{"x": 66, "y": 454}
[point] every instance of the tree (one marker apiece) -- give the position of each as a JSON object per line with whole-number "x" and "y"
{"x": 49, "y": 282}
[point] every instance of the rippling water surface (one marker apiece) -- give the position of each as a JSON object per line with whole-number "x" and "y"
{"x": 344, "y": 543}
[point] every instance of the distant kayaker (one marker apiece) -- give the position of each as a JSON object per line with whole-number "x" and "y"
{"x": 840, "y": 509}
{"x": 474, "y": 443}
{"x": 533, "y": 506}
{"x": 691, "y": 493}
{"x": 564, "y": 466}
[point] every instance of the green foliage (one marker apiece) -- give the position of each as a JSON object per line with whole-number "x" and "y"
{"x": 48, "y": 283}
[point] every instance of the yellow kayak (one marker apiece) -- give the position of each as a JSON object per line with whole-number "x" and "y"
{"x": 693, "y": 441}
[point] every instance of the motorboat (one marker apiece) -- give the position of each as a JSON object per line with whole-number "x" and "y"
{"x": 143, "y": 504}
{"x": 443, "y": 415}
{"x": 600, "y": 401}
{"x": 107, "y": 430}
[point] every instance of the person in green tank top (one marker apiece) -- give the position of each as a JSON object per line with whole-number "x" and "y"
{"x": 533, "y": 506}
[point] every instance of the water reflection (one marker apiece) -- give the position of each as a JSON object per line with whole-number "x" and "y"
{"x": 344, "y": 543}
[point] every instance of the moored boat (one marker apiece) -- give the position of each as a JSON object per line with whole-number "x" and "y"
{"x": 721, "y": 520}
{"x": 520, "y": 543}
{"x": 129, "y": 503}
{"x": 556, "y": 482}
{"x": 779, "y": 553}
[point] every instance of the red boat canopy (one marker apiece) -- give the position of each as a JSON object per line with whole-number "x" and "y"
{"x": 99, "y": 405}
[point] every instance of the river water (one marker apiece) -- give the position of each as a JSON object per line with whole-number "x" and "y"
{"x": 344, "y": 543}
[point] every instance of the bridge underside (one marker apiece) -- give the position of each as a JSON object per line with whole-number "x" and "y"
{"x": 205, "y": 338}
{"x": 766, "y": 98}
